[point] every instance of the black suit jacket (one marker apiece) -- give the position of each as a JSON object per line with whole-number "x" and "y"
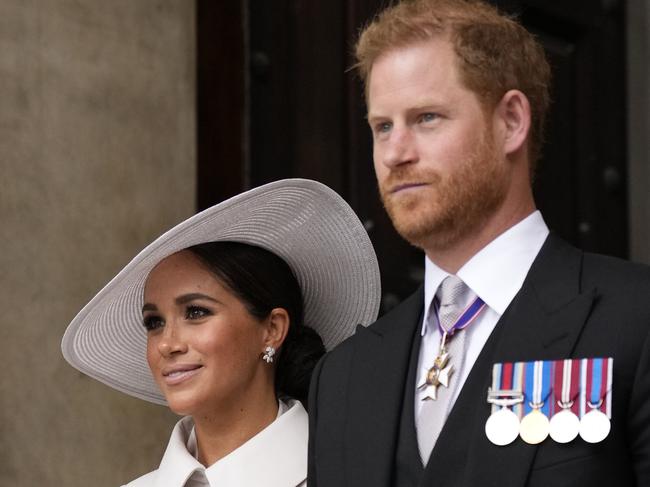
{"x": 571, "y": 305}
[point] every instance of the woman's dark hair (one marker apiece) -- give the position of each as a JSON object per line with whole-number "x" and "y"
{"x": 263, "y": 281}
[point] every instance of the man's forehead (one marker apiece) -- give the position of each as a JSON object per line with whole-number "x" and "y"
{"x": 417, "y": 74}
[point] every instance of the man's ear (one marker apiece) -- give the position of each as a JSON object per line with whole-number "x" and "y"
{"x": 513, "y": 113}
{"x": 277, "y": 327}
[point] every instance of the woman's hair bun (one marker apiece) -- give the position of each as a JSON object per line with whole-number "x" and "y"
{"x": 301, "y": 350}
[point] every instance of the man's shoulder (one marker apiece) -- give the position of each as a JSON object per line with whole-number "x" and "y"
{"x": 602, "y": 272}
{"x": 606, "y": 272}
{"x": 410, "y": 306}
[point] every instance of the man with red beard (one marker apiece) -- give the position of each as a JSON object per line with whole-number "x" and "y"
{"x": 460, "y": 385}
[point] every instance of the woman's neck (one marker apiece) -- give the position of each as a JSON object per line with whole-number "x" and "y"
{"x": 218, "y": 434}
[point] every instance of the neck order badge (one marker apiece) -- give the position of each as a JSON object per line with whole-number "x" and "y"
{"x": 441, "y": 371}
{"x": 574, "y": 393}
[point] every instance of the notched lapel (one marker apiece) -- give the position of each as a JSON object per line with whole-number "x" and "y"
{"x": 378, "y": 377}
{"x": 546, "y": 317}
{"x": 565, "y": 324}
{"x": 543, "y": 336}
{"x": 532, "y": 332}
{"x": 543, "y": 322}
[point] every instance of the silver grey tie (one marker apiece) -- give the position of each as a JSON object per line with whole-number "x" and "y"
{"x": 452, "y": 295}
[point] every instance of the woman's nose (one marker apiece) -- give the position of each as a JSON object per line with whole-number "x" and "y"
{"x": 171, "y": 342}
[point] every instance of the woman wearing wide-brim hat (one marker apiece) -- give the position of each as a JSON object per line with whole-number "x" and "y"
{"x": 223, "y": 318}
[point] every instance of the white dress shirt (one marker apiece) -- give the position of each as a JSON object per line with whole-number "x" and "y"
{"x": 495, "y": 274}
{"x": 275, "y": 457}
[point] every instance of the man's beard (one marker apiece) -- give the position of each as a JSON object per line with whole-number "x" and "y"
{"x": 449, "y": 209}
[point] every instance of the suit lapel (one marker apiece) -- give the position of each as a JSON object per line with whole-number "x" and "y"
{"x": 378, "y": 377}
{"x": 543, "y": 322}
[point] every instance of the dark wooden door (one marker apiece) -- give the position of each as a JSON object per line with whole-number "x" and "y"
{"x": 302, "y": 115}
{"x": 581, "y": 183}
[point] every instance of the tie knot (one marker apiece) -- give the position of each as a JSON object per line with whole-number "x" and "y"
{"x": 451, "y": 296}
{"x": 451, "y": 291}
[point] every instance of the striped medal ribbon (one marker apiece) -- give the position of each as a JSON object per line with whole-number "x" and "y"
{"x": 502, "y": 427}
{"x": 535, "y": 425}
{"x": 565, "y": 424}
{"x": 596, "y": 378}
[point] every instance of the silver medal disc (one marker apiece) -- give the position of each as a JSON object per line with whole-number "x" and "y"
{"x": 534, "y": 427}
{"x": 594, "y": 426}
{"x": 564, "y": 426}
{"x": 502, "y": 427}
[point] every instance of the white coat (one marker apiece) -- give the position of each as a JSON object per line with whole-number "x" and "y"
{"x": 275, "y": 457}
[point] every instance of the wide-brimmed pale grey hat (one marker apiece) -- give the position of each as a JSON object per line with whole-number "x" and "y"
{"x": 306, "y": 223}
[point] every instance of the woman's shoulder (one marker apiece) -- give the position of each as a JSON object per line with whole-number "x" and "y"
{"x": 144, "y": 481}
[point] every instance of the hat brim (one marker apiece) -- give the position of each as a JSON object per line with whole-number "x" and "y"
{"x": 306, "y": 223}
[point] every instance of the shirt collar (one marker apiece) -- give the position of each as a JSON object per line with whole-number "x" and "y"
{"x": 497, "y": 271}
{"x": 278, "y": 453}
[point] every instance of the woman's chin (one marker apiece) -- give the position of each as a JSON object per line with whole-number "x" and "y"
{"x": 182, "y": 405}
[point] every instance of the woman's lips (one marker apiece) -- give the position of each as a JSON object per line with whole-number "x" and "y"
{"x": 178, "y": 374}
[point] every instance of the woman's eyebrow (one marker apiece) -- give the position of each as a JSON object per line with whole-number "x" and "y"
{"x": 186, "y": 298}
{"x": 149, "y": 307}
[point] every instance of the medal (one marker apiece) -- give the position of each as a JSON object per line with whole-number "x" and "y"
{"x": 441, "y": 371}
{"x": 595, "y": 424}
{"x": 565, "y": 424}
{"x": 502, "y": 427}
{"x": 575, "y": 393}
{"x": 535, "y": 425}
{"x": 439, "y": 374}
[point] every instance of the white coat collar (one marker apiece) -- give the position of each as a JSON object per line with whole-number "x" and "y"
{"x": 275, "y": 457}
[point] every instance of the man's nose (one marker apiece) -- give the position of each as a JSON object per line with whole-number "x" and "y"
{"x": 400, "y": 148}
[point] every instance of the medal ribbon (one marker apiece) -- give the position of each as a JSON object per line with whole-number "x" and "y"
{"x": 598, "y": 385}
{"x": 508, "y": 377}
{"x": 538, "y": 385}
{"x": 497, "y": 370}
{"x": 567, "y": 380}
{"x": 465, "y": 319}
{"x": 518, "y": 383}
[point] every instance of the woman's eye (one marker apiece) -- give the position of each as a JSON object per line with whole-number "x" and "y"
{"x": 196, "y": 312}
{"x": 152, "y": 322}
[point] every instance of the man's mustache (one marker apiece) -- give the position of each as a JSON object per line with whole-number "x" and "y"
{"x": 402, "y": 176}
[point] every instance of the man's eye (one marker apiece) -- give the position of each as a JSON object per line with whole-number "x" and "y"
{"x": 196, "y": 312}
{"x": 383, "y": 127}
{"x": 428, "y": 117}
{"x": 152, "y": 322}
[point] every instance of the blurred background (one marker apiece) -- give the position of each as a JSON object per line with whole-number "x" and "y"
{"x": 120, "y": 118}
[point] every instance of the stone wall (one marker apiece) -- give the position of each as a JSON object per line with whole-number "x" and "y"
{"x": 97, "y": 157}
